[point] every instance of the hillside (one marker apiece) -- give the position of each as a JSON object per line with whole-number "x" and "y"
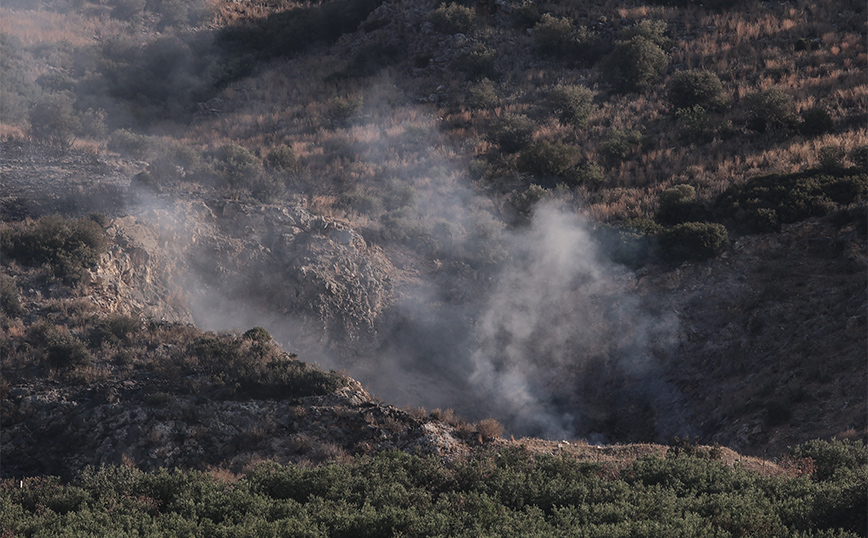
{"x": 616, "y": 222}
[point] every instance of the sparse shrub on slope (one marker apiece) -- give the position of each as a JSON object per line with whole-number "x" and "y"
{"x": 452, "y": 18}
{"x": 696, "y": 87}
{"x": 678, "y": 204}
{"x": 556, "y": 37}
{"x": 763, "y": 203}
{"x": 635, "y": 64}
{"x": 54, "y": 121}
{"x": 694, "y": 241}
{"x": 770, "y": 110}
{"x": 816, "y": 121}
{"x": 513, "y": 132}
{"x": 572, "y": 102}
{"x": 69, "y": 247}
{"x": 550, "y": 160}
{"x": 10, "y": 302}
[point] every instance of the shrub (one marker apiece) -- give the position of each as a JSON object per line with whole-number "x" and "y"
{"x": 64, "y": 351}
{"x": 237, "y": 164}
{"x": 452, "y": 18}
{"x": 10, "y": 304}
{"x": 513, "y": 132}
{"x": 831, "y": 158}
{"x": 54, "y": 121}
{"x": 692, "y": 241}
{"x": 478, "y": 63}
{"x": 130, "y": 143}
{"x": 257, "y": 334}
{"x": 620, "y": 144}
{"x": 556, "y": 37}
{"x": 694, "y": 124}
{"x": 831, "y": 457}
{"x": 859, "y": 156}
{"x": 69, "y": 247}
{"x": 653, "y": 31}
{"x": 343, "y": 110}
{"x": 816, "y": 121}
{"x": 770, "y": 110}
{"x": 572, "y": 103}
{"x": 115, "y": 328}
{"x": 635, "y": 65}
{"x": 696, "y": 87}
{"x": 489, "y": 429}
{"x": 547, "y": 160}
{"x": 483, "y": 94}
{"x": 677, "y": 204}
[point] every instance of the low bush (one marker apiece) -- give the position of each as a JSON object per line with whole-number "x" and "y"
{"x": 678, "y": 204}
{"x": 619, "y": 144}
{"x": 573, "y": 103}
{"x": 770, "y": 110}
{"x": 692, "y": 241}
{"x": 816, "y": 121}
{"x": 10, "y": 303}
{"x": 483, "y": 94}
{"x": 763, "y": 203}
{"x": 68, "y": 247}
{"x": 452, "y": 18}
{"x": 550, "y": 161}
{"x": 556, "y": 37}
{"x": 696, "y": 87}
{"x": 512, "y": 132}
{"x": 53, "y": 120}
{"x": 478, "y": 63}
{"x": 635, "y": 64}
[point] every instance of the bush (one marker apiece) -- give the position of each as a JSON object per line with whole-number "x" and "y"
{"x": 696, "y": 87}
{"x": 859, "y": 156}
{"x": 831, "y": 159}
{"x": 237, "y": 164}
{"x": 483, "y": 94}
{"x": 10, "y": 304}
{"x": 694, "y": 124}
{"x": 556, "y": 37}
{"x": 653, "y": 31}
{"x": 693, "y": 241}
{"x": 478, "y": 63}
{"x": 572, "y": 103}
{"x": 635, "y": 65}
{"x": 816, "y": 121}
{"x": 65, "y": 352}
{"x": 770, "y": 110}
{"x": 452, "y": 18}
{"x": 547, "y": 160}
{"x": 69, "y": 247}
{"x": 489, "y": 429}
{"x": 54, "y": 121}
{"x": 620, "y": 144}
{"x": 831, "y": 457}
{"x": 677, "y": 204}
{"x": 513, "y": 132}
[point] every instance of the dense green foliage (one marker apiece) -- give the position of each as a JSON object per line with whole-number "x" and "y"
{"x": 693, "y": 241}
{"x": 503, "y": 493}
{"x": 69, "y": 247}
{"x": 763, "y": 203}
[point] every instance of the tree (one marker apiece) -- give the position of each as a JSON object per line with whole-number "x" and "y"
{"x": 54, "y": 121}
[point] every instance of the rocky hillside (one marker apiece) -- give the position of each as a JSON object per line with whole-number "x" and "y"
{"x": 483, "y": 208}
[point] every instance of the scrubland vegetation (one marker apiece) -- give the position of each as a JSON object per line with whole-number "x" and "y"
{"x": 674, "y": 126}
{"x": 509, "y": 492}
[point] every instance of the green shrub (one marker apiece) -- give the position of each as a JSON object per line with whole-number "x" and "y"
{"x": 692, "y": 241}
{"x": 859, "y": 156}
{"x": 573, "y": 103}
{"x": 831, "y": 457}
{"x": 694, "y": 124}
{"x": 115, "y": 328}
{"x": 696, "y": 87}
{"x": 547, "y": 160}
{"x": 816, "y": 121}
{"x": 831, "y": 159}
{"x": 483, "y": 94}
{"x": 653, "y": 31}
{"x": 763, "y": 203}
{"x": 478, "y": 63}
{"x": 557, "y": 38}
{"x": 770, "y": 110}
{"x": 54, "y": 121}
{"x": 237, "y": 164}
{"x": 343, "y": 110}
{"x": 65, "y": 352}
{"x": 635, "y": 65}
{"x": 452, "y": 18}
{"x": 677, "y": 204}
{"x": 10, "y": 304}
{"x": 69, "y": 247}
{"x": 513, "y": 132}
{"x": 257, "y": 334}
{"x": 620, "y": 144}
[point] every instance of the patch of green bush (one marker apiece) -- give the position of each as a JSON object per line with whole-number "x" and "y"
{"x": 452, "y": 18}
{"x": 678, "y": 204}
{"x": 635, "y": 65}
{"x": 572, "y": 103}
{"x": 512, "y": 132}
{"x": 10, "y": 302}
{"x": 551, "y": 160}
{"x": 692, "y": 241}
{"x": 68, "y": 247}
{"x": 619, "y": 144}
{"x": 557, "y": 37}
{"x": 508, "y": 492}
{"x": 696, "y": 87}
{"x": 478, "y": 63}
{"x": 816, "y": 121}
{"x": 53, "y": 120}
{"x": 770, "y": 110}
{"x": 763, "y": 203}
